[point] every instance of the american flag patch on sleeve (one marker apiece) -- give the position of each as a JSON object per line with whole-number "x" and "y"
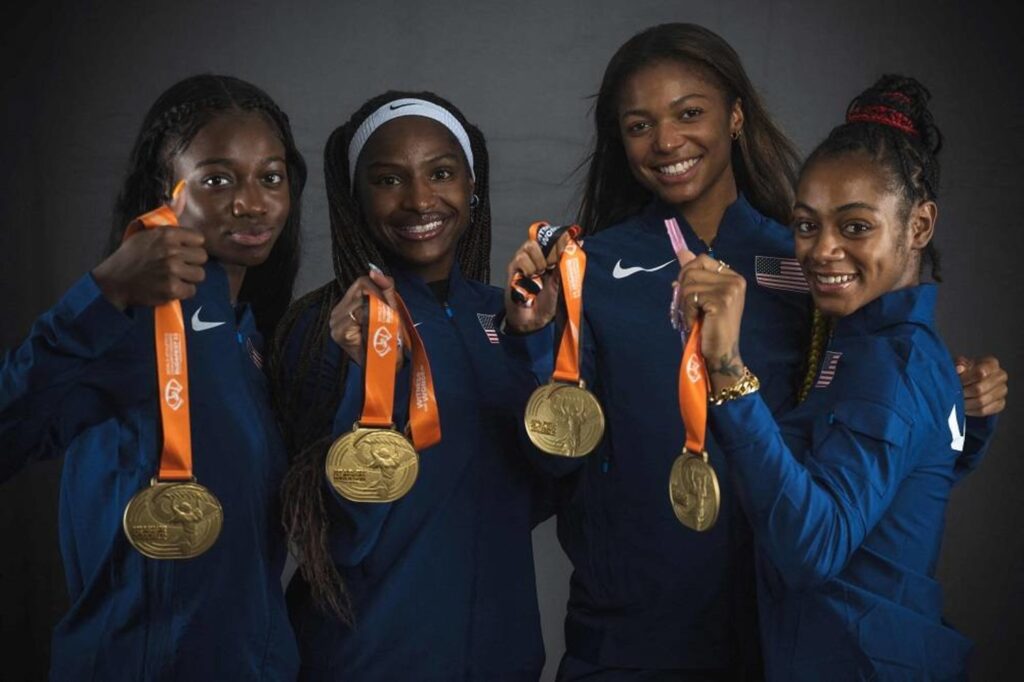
{"x": 487, "y": 322}
{"x": 828, "y": 368}
{"x": 780, "y": 273}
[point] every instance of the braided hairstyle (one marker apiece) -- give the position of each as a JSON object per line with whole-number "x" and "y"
{"x": 169, "y": 127}
{"x": 891, "y": 123}
{"x": 306, "y": 396}
{"x": 764, "y": 161}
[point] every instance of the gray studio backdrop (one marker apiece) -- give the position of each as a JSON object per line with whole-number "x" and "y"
{"x": 78, "y": 79}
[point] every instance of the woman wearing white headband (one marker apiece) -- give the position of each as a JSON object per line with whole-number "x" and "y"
{"x": 440, "y": 583}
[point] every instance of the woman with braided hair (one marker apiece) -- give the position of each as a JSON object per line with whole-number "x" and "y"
{"x": 847, "y": 493}
{"x": 684, "y": 142}
{"x": 84, "y": 384}
{"x": 438, "y": 584}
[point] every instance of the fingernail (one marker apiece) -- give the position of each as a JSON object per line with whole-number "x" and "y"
{"x": 374, "y": 268}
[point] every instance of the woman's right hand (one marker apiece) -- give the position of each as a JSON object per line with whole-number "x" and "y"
{"x": 529, "y": 261}
{"x": 349, "y": 316}
{"x": 153, "y": 267}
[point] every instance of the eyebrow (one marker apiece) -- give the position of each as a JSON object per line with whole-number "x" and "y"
{"x": 674, "y": 103}
{"x": 839, "y": 209}
{"x": 224, "y": 161}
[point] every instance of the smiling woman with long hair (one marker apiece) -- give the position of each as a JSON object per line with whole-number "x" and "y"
{"x": 438, "y": 584}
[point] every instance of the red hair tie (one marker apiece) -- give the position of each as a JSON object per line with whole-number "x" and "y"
{"x": 883, "y": 115}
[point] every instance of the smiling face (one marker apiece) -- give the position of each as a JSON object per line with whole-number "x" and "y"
{"x": 676, "y": 129}
{"x": 415, "y": 187}
{"x": 238, "y": 194}
{"x": 855, "y": 239}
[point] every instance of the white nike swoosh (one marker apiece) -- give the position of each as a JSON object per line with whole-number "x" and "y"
{"x": 200, "y": 326}
{"x": 620, "y": 272}
{"x": 959, "y": 435}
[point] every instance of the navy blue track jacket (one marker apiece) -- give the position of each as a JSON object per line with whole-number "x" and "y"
{"x": 442, "y": 580}
{"x": 847, "y": 497}
{"x": 84, "y": 384}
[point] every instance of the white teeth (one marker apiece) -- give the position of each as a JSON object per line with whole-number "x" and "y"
{"x": 679, "y": 168}
{"x": 421, "y": 229}
{"x": 835, "y": 279}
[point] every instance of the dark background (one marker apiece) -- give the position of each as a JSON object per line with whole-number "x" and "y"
{"x": 76, "y": 82}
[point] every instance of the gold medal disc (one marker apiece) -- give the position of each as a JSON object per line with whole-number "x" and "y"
{"x": 372, "y": 465}
{"x": 564, "y": 419}
{"x": 693, "y": 489}
{"x": 173, "y": 520}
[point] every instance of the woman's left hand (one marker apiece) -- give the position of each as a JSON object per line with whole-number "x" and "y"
{"x": 709, "y": 287}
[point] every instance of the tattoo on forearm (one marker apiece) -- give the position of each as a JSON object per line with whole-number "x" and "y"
{"x": 728, "y": 364}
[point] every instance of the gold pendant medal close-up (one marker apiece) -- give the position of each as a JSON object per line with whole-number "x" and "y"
{"x": 565, "y": 420}
{"x": 694, "y": 492}
{"x": 173, "y": 520}
{"x": 372, "y": 465}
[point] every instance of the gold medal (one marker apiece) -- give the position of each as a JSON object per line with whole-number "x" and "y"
{"x": 372, "y": 465}
{"x": 564, "y": 419}
{"x": 173, "y": 520}
{"x": 693, "y": 489}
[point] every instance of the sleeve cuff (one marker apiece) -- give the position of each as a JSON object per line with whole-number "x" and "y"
{"x": 740, "y": 422}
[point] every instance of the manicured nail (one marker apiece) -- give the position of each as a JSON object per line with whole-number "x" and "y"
{"x": 374, "y": 268}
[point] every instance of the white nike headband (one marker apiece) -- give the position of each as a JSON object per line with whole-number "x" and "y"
{"x": 406, "y": 107}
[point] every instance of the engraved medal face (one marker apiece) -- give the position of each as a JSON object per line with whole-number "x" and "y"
{"x": 372, "y": 465}
{"x": 564, "y": 419}
{"x": 693, "y": 489}
{"x": 173, "y": 520}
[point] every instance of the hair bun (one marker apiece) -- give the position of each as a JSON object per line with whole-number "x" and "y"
{"x": 899, "y": 102}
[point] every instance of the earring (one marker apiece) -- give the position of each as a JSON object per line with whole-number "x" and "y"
{"x": 474, "y": 201}
{"x": 735, "y": 135}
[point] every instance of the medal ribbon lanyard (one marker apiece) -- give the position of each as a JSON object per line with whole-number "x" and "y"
{"x": 693, "y": 375}
{"x": 171, "y": 361}
{"x": 693, "y": 392}
{"x": 572, "y": 266}
{"x": 381, "y": 360}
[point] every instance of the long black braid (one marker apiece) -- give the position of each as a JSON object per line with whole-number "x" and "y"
{"x": 168, "y": 128}
{"x": 305, "y": 396}
{"x": 890, "y": 122}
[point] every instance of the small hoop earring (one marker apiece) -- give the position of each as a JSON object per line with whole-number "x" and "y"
{"x": 735, "y": 135}
{"x": 474, "y": 201}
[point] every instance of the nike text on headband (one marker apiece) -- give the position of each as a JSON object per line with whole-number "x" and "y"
{"x": 406, "y": 107}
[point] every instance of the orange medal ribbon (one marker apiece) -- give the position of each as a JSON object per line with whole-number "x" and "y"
{"x": 693, "y": 392}
{"x": 381, "y": 359}
{"x": 572, "y": 266}
{"x": 171, "y": 363}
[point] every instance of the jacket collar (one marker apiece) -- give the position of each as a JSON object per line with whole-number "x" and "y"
{"x": 914, "y": 305}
